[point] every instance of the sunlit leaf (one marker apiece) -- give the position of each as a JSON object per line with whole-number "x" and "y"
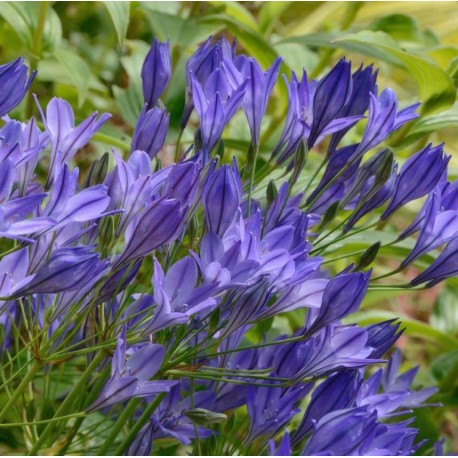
{"x": 120, "y": 13}
{"x": 78, "y": 70}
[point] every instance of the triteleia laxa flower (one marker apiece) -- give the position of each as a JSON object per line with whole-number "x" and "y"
{"x": 131, "y": 378}
{"x": 156, "y": 72}
{"x": 14, "y": 84}
{"x": 418, "y": 176}
{"x": 150, "y": 131}
{"x": 221, "y": 197}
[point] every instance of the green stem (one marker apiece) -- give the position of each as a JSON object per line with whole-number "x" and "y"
{"x": 139, "y": 424}
{"x": 177, "y": 148}
{"x": 35, "y": 51}
{"x": 320, "y": 249}
{"x": 20, "y": 389}
{"x": 79, "y": 421}
{"x": 253, "y": 170}
{"x": 315, "y": 174}
{"x": 80, "y": 386}
{"x": 120, "y": 422}
{"x": 43, "y": 422}
{"x": 388, "y": 274}
{"x": 103, "y": 138}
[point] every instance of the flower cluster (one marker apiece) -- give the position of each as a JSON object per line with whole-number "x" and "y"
{"x": 173, "y": 275}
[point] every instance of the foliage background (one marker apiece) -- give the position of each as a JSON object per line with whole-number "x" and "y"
{"x": 91, "y": 54}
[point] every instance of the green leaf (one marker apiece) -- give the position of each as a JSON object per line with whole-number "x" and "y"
{"x": 430, "y": 124}
{"x": 184, "y": 32}
{"x": 238, "y": 12}
{"x": 269, "y": 13}
{"x": 436, "y": 89}
{"x": 23, "y": 17}
{"x": 399, "y": 26}
{"x": 444, "y": 364}
{"x": 120, "y": 13}
{"x": 413, "y": 327}
{"x": 445, "y": 312}
{"x": 130, "y": 102}
{"x": 17, "y": 17}
{"x": 78, "y": 71}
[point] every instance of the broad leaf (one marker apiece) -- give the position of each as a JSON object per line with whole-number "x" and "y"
{"x": 120, "y": 13}
{"x": 78, "y": 71}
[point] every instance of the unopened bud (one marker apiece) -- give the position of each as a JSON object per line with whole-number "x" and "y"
{"x": 205, "y": 417}
{"x": 367, "y": 257}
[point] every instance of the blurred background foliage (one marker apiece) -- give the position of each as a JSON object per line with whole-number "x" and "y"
{"x": 91, "y": 54}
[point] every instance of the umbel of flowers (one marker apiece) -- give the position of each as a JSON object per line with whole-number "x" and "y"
{"x": 159, "y": 285}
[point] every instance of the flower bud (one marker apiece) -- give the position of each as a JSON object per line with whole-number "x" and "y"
{"x": 156, "y": 72}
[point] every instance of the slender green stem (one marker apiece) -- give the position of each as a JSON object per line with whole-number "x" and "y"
{"x": 177, "y": 148}
{"x": 388, "y": 274}
{"x": 315, "y": 174}
{"x": 79, "y": 421}
{"x": 43, "y": 422}
{"x": 120, "y": 422}
{"x": 139, "y": 424}
{"x": 35, "y": 51}
{"x": 80, "y": 386}
{"x": 320, "y": 249}
{"x": 108, "y": 139}
{"x": 20, "y": 389}
{"x": 253, "y": 170}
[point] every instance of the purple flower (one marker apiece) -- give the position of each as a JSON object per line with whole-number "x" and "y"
{"x": 444, "y": 266}
{"x": 382, "y": 336}
{"x": 65, "y": 206}
{"x": 169, "y": 420}
{"x": 363, "y": 85}
{"x": 201, "y": 65}
{"x": 257, "y": 91}
{"x": 335, "y": 393}
{"x": 322, "y": 108}
{"x": 383, "y": 120}
{"x": 13, "y": 222}
{"x": 66, "y": 270}
{"x": 284, "y": 447}
{"x": 271, "y": 408}
{"x": 342, "y": 432}
{"x": 215, "y": 106}
{"x": 158, "y": 223}
{"x": 418, "y": 176}
{"x": 14, "y": 84}
{"x": 156, "y": 72}
{"x": 438, "y": 227}
{"x": 343, "y": 295}
{"x": 331, "y": 348}
{"x": 221, "y": 197}
{"x": 332, "y": 93}
{"x": 131, "y": 379}
{"x": 66, "y": 138}
{"x": 246, "y": 307}
{"x": 150, "y": 131}
{"x": 176, "y": 295}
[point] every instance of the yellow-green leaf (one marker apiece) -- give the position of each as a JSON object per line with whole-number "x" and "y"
{"x": 436, "y": 89}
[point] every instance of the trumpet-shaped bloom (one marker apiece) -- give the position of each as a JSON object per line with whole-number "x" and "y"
{"x": 131, "y": 378}
{"x": 156, "y": 72}
{"x": 150, "y": 131}
{"x": 66, "y": 138}
{"x": 418, "y": 176}
{"x": 14, "y": 84}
